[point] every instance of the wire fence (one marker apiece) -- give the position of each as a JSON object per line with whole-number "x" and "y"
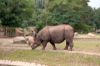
{"x": 7, "y": 32}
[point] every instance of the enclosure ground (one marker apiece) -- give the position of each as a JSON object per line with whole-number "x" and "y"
{"x": 85, "y": 53}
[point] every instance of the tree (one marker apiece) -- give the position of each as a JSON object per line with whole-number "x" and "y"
{"x": 97, "y": 18}
{"x": 73, "y": 12}
{"x": 15, "y": 13}
{"x": 39, "y": 13}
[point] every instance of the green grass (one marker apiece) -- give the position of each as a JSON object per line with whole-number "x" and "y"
{"x": 81, "y": 45}
{"x": 51, "y": 58}
{"x": 87, "y": 45}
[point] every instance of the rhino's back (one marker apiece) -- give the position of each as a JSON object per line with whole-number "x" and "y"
{"x": 56, "y": 34}
{"x": 43, "y": 34}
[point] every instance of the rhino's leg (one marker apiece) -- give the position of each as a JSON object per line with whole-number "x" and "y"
{"x": 53, "y": 45}
{"x": 44, "y": 43}
{"x": 71, "y": 45}
{"x": 67, "y": 44}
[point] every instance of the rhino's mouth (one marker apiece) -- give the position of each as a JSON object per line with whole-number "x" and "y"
{"x": 34, "y": 46}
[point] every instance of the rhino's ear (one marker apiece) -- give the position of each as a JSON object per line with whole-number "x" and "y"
{"x": 34, "y": 34}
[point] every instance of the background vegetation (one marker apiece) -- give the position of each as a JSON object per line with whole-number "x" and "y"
{"x": 39, "y": 13}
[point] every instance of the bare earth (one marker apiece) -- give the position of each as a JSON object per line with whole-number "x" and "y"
{"x": 7, "y": 45}
{"x": 17, "y": 63}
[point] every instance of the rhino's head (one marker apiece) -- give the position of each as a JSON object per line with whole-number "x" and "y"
{"x": 36, "y": 43}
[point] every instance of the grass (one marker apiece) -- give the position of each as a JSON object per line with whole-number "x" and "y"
{"x": 51, "y": 58}
{"x": 88, "y": 45}
{"x": 81, "y": 45}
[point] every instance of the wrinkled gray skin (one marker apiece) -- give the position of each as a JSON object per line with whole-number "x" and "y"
{"x": 54, "y": 34}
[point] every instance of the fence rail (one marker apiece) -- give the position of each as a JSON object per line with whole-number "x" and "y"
{"x": 86, "y": 38}
{"x": 7, "y": 32}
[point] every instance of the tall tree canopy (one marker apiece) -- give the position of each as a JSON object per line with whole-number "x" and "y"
{"x": 96, "y": 18}
{"x": 74, "y": 12}
{"x": 39, "y": 13}
{"x": 15, "y": 13}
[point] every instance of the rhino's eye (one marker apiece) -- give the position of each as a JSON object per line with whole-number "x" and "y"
{"x": 34, "y": 44}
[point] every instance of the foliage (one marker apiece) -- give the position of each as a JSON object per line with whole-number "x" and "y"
{"x": 15, "y": 13}
{"x": 39, "y": 13}
{"x": 97, "y": 18}
{"x": 73, "y": 12}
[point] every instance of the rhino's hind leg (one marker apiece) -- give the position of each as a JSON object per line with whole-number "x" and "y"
{"x": 66, "y": 47}
{"x": 44, "y": 44}
{"x": 70, "y": 45}
{"x": 53, "y": 45}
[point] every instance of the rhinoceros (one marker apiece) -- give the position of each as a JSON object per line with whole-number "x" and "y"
{"x": 54, "y": 34}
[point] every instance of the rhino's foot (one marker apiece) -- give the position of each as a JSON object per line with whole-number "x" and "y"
{"x": 65, "y": 48}
{"x": 43, "y": 48}
{"x": 70, "y": 50}
{"x": 54, "y": 49}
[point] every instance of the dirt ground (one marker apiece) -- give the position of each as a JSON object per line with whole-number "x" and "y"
{"x": 6, "y": 44}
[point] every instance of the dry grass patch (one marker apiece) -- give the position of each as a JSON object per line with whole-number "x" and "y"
{"x": 51, "y": 58}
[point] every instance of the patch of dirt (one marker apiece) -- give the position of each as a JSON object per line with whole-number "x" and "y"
{"x": 79, "y": 52}
{"x": 18, "y": 63}
{"x": 7, "y": 45}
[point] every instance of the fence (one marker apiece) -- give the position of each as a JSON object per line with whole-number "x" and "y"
{"x": 78, "y": 39}
{"x": 7, "y": 32}
{"x": 12, "y": 32}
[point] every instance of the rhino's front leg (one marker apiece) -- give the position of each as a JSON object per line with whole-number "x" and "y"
{"x": 44, "y": 44}
{"x": 53, "y": 45}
